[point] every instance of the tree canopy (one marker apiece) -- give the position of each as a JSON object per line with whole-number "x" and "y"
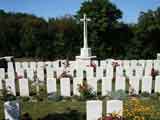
{"x": 25, "y": 35}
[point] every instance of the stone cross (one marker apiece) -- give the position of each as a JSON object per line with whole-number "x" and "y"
{"x": 85, "y": 20}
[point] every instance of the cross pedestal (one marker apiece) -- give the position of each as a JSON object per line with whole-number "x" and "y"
{"x": 86, "y": 54}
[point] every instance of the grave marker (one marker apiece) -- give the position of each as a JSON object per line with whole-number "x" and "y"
{"x": 115, "y": 106}
{"x": 65, "y": 87}
{"x": 147, "y": 84}
{"x": 94, "y": 109}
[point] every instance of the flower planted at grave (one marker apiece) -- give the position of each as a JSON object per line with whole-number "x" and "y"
{"x": 86, "y": 91}
{"x": 115, "y": 64}
{"x": 112, "y": 116}
{"x": 135, "y": 109}
{"x": 154, "y": 72}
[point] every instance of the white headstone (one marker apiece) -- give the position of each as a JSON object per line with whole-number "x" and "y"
{"x": 59, "y": 71}
{"x": 106, "y": 85}
{"x": 134, "y": 82}
{"x": 18, "y": 65}
{"x": 133, "y": 63}
{"x": 40, "y": 74}
{"x": 56, "y": 64}
{"x": 89, "y": 72}
{"x": 100, "y": 72}
{"x": 120, "y": 83}
{"x": 51, "y": 86}
{"x": 126, "y": 63}
{"x": 48, "y": 64}
{"x": 33, "y": 65}
{"x": 2, "y": 73}
{"x": 95, "y": 62}
{"x": 20, "y": 73}
{"x": 65, "y": 87}
{"x": 80, "y": 72}
{"x": 157, "y": 84}
{"x": 11, "y": 74}
{"x": 49, "y": 73}
{"x": 157, "y": 65}
{"x": 115, "y": 106}
{"x": 129, "y": 71}
{"x": 40, "y": 65}
{"x": 10, "y": 66}
{"x": 30, "y": 74}
{"x": 149, "y": 63}
{"x": 109, "y": 61}
{"x": 25, "y": 65}
{"x": 12, "y": 110}
{"x": 76, "y": 83}
{"x": 1, "y": 84}
{"x": 148, "y": 70}
{"x": 23, "y": 87}
{"x": 10, "y": 86}
{"x": 119, "y": 62}
{"x": 92, "y": 82}
{"x": 110, "y": 71}
{"x": 139, "y": 71}
{"x": 141, "y": 63}
{"x": 94, "y": 109}
{"x": 147, "y": 84}
{"x": 119, "y": 71}
{"x": 103, "y": 63}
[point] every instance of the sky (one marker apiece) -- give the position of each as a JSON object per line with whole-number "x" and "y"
{"x": 57, "y": 8}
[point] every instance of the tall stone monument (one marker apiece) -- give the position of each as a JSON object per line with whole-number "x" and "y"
{"x": 86, "y": 54}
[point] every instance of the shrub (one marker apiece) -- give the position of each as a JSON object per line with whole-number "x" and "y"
{"x": 111, "y": 116}
{"x": 25, "y": 99}
{"x": 135, "y": 109}
{"x": 155, "y": 96}
{"x": 120, "y": 95}
{"x": 86, "y": 92}
{"x": 145, "y": 94}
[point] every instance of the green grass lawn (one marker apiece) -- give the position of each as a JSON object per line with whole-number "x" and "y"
{"x": 43, "y": 108}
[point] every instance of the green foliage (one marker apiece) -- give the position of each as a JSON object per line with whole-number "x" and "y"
{"x": 24, "y": 35}
{"x": 120, "y": 95}
{"x": 145, "y": 94}
{"x": 155, "y": 96}
{"x": 110, "y": 35}
{"x": 86, "y": 92}
{"x": 25, "y": 99}
{"x": 146, "y": 38}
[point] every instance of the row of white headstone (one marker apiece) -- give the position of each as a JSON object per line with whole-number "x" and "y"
{"x": 95, "y": 108}
{"x": 80, "y": 72}
{"x": 61, "y": 63}
{"x": 106, "y": 69}
{"x": 107, "y": 83}
{"x": 127, "y": 65}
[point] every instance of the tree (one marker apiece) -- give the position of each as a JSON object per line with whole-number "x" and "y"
{"x": 106, "y": 36}
{"x": 67, "y": 36}
{"x": 34, "y": 34}
{"x": 147, "y": 32}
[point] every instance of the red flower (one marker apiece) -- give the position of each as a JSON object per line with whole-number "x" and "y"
{"x": 19, "y": 77}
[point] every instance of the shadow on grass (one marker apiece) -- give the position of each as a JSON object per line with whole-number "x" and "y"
{"x": 69, "y": 115}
